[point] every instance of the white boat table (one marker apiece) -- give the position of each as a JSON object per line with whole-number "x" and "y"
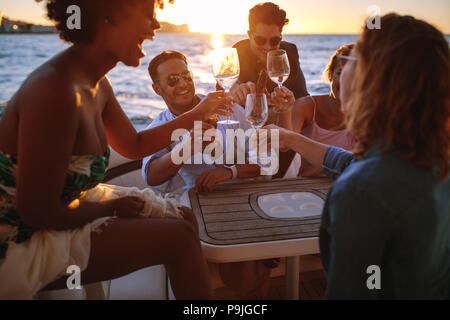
{"x": 233, "y": 227}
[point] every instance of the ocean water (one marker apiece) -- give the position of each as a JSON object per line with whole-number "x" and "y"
{"x": 21, "y": 54}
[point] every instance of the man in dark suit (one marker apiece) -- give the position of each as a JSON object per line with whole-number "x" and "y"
{"x": 266, "y": 22}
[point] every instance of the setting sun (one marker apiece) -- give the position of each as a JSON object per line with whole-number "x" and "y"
{"x": 214, "y": 17}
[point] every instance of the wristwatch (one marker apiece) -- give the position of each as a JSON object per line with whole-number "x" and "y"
{"x": 233, "y": 170}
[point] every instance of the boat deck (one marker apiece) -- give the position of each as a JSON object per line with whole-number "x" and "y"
{"x": 312, "y": 286}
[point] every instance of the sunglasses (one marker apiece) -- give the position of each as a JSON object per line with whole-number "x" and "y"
{"x": 260, "y": 40}
{"x": 173, "y": 79}
{"x": 343, "y": 59}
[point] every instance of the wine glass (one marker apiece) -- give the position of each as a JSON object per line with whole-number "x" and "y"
{"x": 256, "y": 114}
{"x": 256, "y": 110}
{"x": 278, "y": 66}
{"x": 226, "y": 71}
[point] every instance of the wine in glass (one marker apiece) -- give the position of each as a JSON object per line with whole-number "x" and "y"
{"x": 226, "y": 71}
{"x": 256, "y": 110}
{"x": 278, "y": 66}
{"x": 256, "y": 113}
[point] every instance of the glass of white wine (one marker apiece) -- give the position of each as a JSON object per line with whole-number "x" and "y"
{"x": 256, "y": 110}
{"x": 278, "y": 67}
{"x": 226, "y": 71}
{"x": 256, "y": 114}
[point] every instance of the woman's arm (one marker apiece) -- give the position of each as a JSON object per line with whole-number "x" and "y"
{"x": 123, "y": 138}
{"x": 313, "y": 151}
{"x": 209, "y": 178}
{"x": 332, "y": 160}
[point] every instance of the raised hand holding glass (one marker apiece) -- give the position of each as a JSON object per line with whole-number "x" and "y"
{"x": 226, "y": 71}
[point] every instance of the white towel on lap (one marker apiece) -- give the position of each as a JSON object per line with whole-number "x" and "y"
{"x": 30, "y": 266}
{"x": 155, "y": 206}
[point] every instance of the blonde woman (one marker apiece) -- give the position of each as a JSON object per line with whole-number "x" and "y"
{"x": 320, "y": 117}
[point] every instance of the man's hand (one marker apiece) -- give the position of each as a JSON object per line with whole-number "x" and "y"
{"x": 205, "y": 126}
{"x": 239, "y": 92}
{"x": 209, "y": 178}
{"x": 215, "y": 103}
{"x": 283, "y": 99}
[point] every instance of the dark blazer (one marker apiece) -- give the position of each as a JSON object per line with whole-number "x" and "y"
{"x": 250, "y": 67}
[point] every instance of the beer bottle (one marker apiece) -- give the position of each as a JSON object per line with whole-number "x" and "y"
{"x": 261, "y": 84}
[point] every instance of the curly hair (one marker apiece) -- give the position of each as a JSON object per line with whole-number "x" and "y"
{"x": 267, "y": 13}
{"x": 331, "y": 66}
{"x": 93, "y": 12}
{"x": 401, "y": 93}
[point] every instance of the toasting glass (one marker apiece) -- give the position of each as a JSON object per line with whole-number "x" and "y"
{"x": 256, "y": 110}
{"x": 278, "y": 66}
{"x": 226, "y": 71}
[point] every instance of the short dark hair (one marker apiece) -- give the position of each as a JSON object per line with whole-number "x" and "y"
{"x": 160, "y": 59}
{"x": 93, "y": 12}
{"x": 267, "y": 13}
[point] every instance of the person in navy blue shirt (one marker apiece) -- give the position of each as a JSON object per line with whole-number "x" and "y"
{"x": 385, "y": 229}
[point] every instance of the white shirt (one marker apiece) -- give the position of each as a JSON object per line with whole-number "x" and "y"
{"x": 188, "y": 173}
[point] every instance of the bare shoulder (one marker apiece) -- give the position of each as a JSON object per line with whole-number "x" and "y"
{"x": 45, "y": 104}
{"x": 47, "y": 90}
{"x": 107, "y": 90}
{"x": 105, "y": 84}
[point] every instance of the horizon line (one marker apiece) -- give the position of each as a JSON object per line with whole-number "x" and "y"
{"x": 226, "y": 34}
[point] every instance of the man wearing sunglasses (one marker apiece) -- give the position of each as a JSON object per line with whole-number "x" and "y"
{"x": 266, "y": 22}
{"x": 173, "y": 81}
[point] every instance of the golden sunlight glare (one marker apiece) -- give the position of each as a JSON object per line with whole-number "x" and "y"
{"x": 206, "y": 16}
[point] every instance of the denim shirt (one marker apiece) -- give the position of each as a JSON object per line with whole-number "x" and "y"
{"x": 336, "y": 160}
{"x": 383, "y": 211}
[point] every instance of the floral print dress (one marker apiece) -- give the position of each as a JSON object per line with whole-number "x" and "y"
{"x": 84, "y": 172}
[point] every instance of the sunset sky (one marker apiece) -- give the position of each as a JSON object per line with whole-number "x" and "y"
{"x": 306, "y": 16}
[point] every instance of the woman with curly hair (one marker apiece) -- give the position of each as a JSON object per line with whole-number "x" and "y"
{"x": 385, "y": 229}
{"x": 54, "y": 138}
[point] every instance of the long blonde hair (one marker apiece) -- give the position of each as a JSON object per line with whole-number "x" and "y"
{"x": 401, "y": 91}
{"x": 333, "y": 63}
